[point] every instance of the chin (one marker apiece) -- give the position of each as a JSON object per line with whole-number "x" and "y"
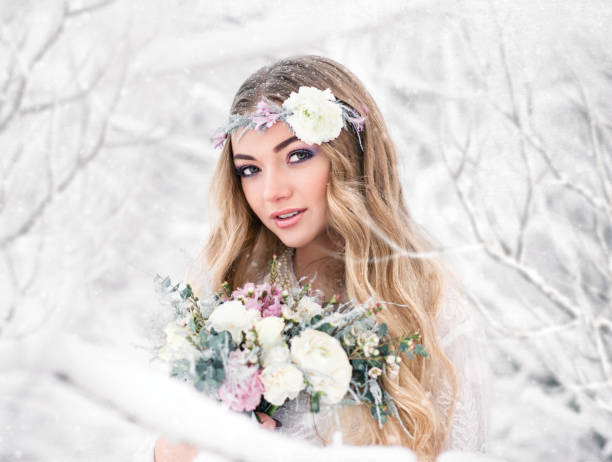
{"x": 295, "y": 242}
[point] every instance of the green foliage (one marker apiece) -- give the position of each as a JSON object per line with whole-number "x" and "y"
{"x": 180, "y": 368}
{"x": 384, "y": 349}
{"x": 265, "y": 406}
{"x": 314, "y": 401}
{"x": 326, "y": 327}
{"x": 210, "y": 371}
{"x": 219, "y": 340}
{"x": 381, "y": 410}
{"x": 186, "y": 293}
{"x": 359, "y": 364}
{"x": 420, "y": 350}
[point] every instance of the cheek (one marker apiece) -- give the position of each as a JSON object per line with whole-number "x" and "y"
{"x": 317, "y": 184}
{"x": 251, "y": 195}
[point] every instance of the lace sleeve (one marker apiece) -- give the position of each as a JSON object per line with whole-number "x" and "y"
{"x": 462, "y": 339}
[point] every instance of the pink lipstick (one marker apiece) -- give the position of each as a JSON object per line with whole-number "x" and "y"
{"x": 291, "y": 217}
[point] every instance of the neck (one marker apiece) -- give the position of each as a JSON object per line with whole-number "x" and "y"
{"x": 319, "y": 257}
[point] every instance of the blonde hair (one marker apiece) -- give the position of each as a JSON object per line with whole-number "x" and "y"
{"x": 363, "y": 190}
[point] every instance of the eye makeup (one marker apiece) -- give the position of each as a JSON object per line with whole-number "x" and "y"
{"x": 302, "y": 155}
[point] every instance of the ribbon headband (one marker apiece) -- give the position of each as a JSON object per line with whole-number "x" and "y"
{"x": 315, "y": 116}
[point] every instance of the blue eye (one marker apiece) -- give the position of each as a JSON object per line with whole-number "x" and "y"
{"x": 243, "y": 171}
{"x": 303, "y": 154}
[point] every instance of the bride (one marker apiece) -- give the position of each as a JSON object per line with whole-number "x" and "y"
{"x": 326, "y": 197}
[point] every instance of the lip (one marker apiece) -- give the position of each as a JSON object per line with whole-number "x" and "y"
{"x": 289, "y": 221}
{"x": 274, "y": 215}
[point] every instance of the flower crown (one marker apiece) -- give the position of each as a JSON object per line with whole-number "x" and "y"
{"x": 314, "y": 115}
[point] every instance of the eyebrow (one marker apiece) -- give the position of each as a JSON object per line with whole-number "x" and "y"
{"x": 280, "y": 146}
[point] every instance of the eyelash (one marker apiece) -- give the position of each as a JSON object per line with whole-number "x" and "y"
{"x": 240, "y": 170}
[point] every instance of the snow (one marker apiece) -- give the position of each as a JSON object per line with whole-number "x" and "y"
{"x": 105, "y": 119}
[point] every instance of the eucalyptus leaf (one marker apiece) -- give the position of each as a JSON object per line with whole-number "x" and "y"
{"x": 314, "y": 401}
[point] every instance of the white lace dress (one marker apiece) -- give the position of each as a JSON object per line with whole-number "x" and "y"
{"x": 462, "y": 339}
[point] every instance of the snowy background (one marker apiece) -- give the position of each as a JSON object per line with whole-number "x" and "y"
{"x": 502, "y": 115}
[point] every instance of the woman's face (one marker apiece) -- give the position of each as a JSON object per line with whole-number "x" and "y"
{"x": 281, "y": 175}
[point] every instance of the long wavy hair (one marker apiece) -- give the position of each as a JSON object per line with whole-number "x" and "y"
{"x": 366, "y": 209}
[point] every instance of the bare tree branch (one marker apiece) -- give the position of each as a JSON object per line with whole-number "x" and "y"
{"x": 72, "y": 11}
{"x": 602, "y": 171}
{"x": 81, "y": 163}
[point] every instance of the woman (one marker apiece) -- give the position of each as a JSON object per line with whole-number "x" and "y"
{"x": 329, "y": 201}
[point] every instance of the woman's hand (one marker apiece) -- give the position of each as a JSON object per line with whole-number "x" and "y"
{"x": 166, "y": 451}
{"x": 266, "y": 421}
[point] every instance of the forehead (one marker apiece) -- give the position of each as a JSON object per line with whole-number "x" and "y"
{"x": 260, "y": 141}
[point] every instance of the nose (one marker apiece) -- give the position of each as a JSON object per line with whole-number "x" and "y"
{"x": 277, "y": 185}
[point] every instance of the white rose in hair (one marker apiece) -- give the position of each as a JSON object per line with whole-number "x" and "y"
{"x": 281, "y": 381}
{"x": 233, "y": 317}
{"x": 277, "y": 354}
{"x": 307, "y": 308}
{"x": 269, "y": 331}
{"x": 324, "y": 363}
{"x": 316, "y": 118}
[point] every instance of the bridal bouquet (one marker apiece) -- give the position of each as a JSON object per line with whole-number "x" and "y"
{"x": 257, "y": 346}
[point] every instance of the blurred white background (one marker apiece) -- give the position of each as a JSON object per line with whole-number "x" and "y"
{"x": 501, "y": 113}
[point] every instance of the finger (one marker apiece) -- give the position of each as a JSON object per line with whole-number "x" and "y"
{"x": 266, "y": 420}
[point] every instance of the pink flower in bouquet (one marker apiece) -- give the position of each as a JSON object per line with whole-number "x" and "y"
{"x": 270, "y": 298}
{"x": 263, "y": 288}
{"x": 242, "y": 388}
{"x": 274, "y": 308}
{"x": 265, "y": 298}
{"x": 253, "y": 304}
{"x": 247, "y": 291}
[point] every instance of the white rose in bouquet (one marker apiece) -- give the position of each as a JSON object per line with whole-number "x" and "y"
{"x": 305, "y": 310}
{"x": 269, "y": 331}
{"x": 177, "y": 346}
{"x": 233, "y": 317}
{"x": 324, "y": 363}
{"x": 277, "y": 354}
{"x": 281, "y": 381}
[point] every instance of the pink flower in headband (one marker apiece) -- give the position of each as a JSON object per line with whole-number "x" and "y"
{"x": 219, "y": 139}
{"x": 357, "y": 123}
{"x": 265, "y": 115}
